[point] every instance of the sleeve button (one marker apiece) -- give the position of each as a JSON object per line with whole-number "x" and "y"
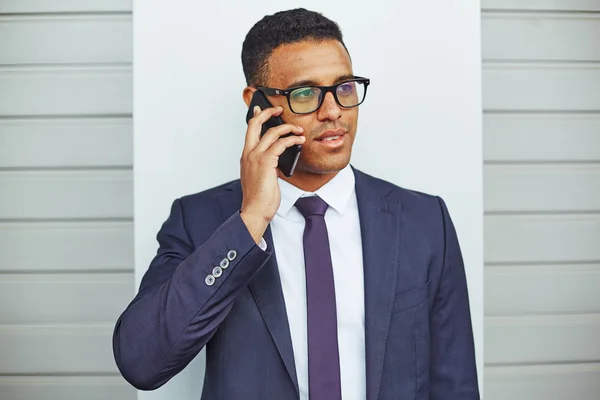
{"x": 210, "y": 280}
{"x": 217, "y": 272}
{"x": 231, "y": 255}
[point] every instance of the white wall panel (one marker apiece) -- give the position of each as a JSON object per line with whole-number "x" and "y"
{"x": 537, "y": 5}
{"x": 65, "y": 90}
{"x": 63, "y": 6}
{"x": 542, "y": 188}
{"x": 65, "y": 388}
{"x": 541, "y": 137}
{"x": 58, "y": 143}
{"x": 64, "y": 298}
{"x": 66, "y": 246}
{"x": 542, "y": 238}
{"x": 66, "y": 194}
{"x": 556, "y": 87}
{"x": 56, "y": 349}
{"x": 542, "y": 289}
{"x": 530, "y": 36}
{"x": 542, "y": 339}
{"x": 543, "y": 36}
{"x": 543, "y": 382}
{"x": 66, "y": 39}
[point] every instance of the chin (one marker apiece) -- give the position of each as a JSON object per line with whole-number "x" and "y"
{"x": 327, "y": 167}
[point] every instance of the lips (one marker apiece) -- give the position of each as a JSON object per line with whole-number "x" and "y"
{"x": 331, "y": 135}
{"x": 332, "y": 139}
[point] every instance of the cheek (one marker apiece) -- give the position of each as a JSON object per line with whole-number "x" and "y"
{"x": 353, "y": 116}
{"x": 305, "y": 121}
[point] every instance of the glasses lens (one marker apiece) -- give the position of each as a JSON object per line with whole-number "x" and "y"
{"x": 305, "y": 100}
{"x": 351, "y": 94}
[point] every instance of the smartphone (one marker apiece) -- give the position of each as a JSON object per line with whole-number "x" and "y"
{"x": 289, "y": 158}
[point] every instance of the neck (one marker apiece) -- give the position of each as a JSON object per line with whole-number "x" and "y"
{"x": 308, "y": 181}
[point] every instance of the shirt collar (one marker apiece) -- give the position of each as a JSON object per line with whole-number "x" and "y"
{"x": 337, "y": 192}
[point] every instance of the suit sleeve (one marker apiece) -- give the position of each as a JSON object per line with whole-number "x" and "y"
{"x": 453, "y": 369}
{"x": 176, "y": 311}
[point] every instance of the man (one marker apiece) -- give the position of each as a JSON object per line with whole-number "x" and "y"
{"x": 326, "y": 285}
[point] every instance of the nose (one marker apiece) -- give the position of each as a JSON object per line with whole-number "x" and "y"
{"x": 329, "y": 110}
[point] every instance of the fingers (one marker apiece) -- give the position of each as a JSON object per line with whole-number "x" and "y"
{"x": 282, "y": 144}
{"x": 275, "y": 133}
{"x": 255, "y": 126}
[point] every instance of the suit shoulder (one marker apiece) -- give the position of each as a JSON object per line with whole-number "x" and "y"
{"x": 422, "y": 213}
{"x": 408, "y": 197}
{"x": 208, "y": 195}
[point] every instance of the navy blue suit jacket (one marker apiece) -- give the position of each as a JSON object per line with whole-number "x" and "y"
{"x": 419, "y": 341}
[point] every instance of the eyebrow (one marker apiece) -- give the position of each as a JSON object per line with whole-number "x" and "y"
{"x": 310, "y": 82}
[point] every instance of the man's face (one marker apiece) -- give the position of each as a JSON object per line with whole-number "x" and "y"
{"x": 318, "y": 63}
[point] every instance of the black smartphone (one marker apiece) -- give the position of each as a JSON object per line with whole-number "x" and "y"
{"x": 289, "y": 158}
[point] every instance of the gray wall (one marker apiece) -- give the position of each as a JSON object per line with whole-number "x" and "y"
{"x": 66, "y": 243}
{"x": 541, "y": 96}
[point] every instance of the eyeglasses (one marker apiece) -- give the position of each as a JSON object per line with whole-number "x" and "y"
{"x": 307, "y": 99}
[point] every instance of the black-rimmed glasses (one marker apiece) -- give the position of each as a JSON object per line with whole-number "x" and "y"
{"x": 307, "y": 99}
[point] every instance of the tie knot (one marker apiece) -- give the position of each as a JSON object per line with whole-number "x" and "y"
{"x": 313, "y": 205}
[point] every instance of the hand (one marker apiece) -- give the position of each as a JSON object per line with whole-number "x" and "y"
{"x": 258, "y": 169}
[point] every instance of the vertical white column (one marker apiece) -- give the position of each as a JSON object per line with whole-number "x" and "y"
{"x": 420, "y": 126}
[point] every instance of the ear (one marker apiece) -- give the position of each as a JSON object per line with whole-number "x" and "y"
{"x": 247, "y": 95}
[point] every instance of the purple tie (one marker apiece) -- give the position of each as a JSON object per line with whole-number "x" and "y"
{"x": 323, "y": 354}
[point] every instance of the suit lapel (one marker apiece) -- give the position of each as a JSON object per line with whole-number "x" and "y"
{"x": 266, "y": 290}
{"x": 380, "y": 221}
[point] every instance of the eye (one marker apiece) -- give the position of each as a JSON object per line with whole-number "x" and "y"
{"x": 304, "y": 94}
{"x": 346, "y": 88}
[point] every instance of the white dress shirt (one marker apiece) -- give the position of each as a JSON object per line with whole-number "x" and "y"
{"x": 343, "y": 227}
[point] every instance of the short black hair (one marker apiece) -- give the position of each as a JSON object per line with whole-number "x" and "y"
{"x": 283, "y": 27}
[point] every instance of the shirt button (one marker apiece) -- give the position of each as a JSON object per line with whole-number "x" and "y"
{"x": 217, "y": 272}
{"x": 224, "y": 263}
{"x": 210, "y": 280}
{"x": 231, "y": 255}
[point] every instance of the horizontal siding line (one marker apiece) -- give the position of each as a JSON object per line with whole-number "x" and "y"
{"x": 544, "y": 113}
{"x": 526, "y": 11}
{"x": 593, "y": 213}
{"x": 65, "y": 66}
{"x": 65, "y": 14}
{"x": 570, "y": 14}
{"x": 4, "y": 326}
{"x": 543, "y": 314}
{"x": 548, "y": 363}
{"x": 523, "y": 64}
{"x": 68, "y": 168}
{"x": 115, "y": 271}
{"x": 67, "y": 117}
{"x": 64, "y": 116}
{"x": 575, "y": 365}
{"x": 62, "y": 220}
{"x": 61, "y": 375}
{"x": 562, "y": 318}
{"x": 544, "y": 62}
{"x": 26, "y": 66}
{"x": 513, "y": 264}
{"x": 591, "y": 162}
{"x": 82, "y": 16}
{"x": 540, "y": 112}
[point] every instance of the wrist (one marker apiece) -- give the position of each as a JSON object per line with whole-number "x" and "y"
{"x": 256, "y": 224}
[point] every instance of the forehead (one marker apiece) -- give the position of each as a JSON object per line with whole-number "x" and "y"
{"x": 319, "y": 61}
